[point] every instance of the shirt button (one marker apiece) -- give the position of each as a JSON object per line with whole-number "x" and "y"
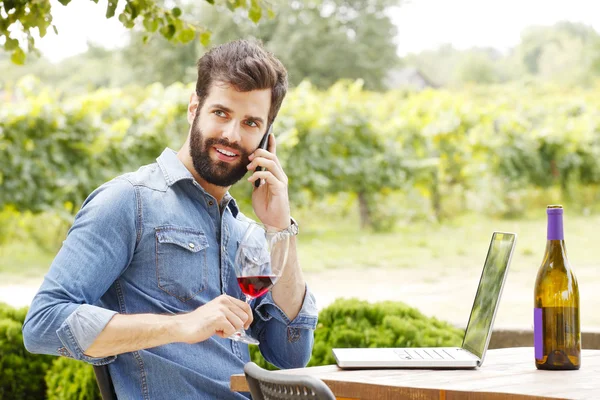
{"x": 191, "y": 245}
{"x": 210, "y": 203}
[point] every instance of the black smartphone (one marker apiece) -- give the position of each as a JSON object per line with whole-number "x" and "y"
{"x": 264, "y": 142}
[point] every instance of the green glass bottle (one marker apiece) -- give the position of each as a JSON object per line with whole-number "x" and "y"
{"x": 556, "y": 330}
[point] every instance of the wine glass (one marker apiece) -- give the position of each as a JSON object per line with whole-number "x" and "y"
{"x": 259, "y": 262}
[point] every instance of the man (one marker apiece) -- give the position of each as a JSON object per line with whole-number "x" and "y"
{"x": 145, "y": 280}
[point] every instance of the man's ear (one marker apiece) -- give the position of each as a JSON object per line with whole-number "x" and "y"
{"x": 192, "y": 107}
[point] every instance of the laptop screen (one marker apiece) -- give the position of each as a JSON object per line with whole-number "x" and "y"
{"x": 488, "y": 293}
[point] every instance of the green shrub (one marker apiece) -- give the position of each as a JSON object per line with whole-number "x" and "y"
{"x": 355, "y": 323}
{"x": 345, "y": 323}
{"x": 14, "y": 314}
{"x": 22, "y": 373}
{"x": 71, "y": 380}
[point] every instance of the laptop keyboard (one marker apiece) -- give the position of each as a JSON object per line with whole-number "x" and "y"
{"x": 423, "y": 354}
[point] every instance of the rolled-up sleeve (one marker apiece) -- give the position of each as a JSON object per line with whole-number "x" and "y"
{"x": 62, "y": 318}
{"x": 81, "y": 328}
{"x": 283, "y": 342}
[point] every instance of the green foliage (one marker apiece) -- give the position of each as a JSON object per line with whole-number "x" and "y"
{"x": 69, "y": 379}
{"x": 355, "y": 323}
{"x": 478, "y": 149}
{"x": 358, "y": 30}
{"x": 22, "y": 373}
{"x": 478, "y": 67}
{"x": 337, "y": 146}
{"x": 345, "y": 323}
{"x": 359, "y": 39}
{"x": 565, "y": 53}
{"x": 23, "y": 18}
{"x": 59, "y": 151}
{"x": 13, "y": 314}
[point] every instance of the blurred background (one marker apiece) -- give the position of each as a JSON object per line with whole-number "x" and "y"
{"x": 412, "y": 130}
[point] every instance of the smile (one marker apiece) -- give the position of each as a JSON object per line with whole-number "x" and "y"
{"x": 225, "y": 152}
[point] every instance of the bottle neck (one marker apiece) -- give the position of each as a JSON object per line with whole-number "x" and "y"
{"x": 555, "y": 248}
{"x": 555, "y": 227}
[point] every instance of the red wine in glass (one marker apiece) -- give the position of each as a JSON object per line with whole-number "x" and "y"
{"x": 259, "y": 261}
{"x": 256, "y": 286}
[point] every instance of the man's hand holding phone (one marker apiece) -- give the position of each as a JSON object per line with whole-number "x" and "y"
{"x": 264, "y": 142}
{"x": 270, "y": 198}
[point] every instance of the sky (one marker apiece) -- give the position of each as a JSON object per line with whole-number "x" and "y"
{"x": 422, "y": 24}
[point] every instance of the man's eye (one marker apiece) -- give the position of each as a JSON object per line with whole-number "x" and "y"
{"x": 219, "y": 113}
{"x": 252, "y": 124}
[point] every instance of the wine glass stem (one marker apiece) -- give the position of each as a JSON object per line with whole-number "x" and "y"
{"x": 248, "y": 300}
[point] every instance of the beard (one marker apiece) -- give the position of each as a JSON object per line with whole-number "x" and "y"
{"x": 216, "y": 172}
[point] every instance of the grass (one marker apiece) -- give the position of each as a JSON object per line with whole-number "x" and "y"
{"x": 339, "y": 243}
{"x": 22, "y": 261}
{"x": 462, "y": 242}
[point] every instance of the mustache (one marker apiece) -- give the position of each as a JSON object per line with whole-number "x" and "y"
{"x": 224, "y": 142}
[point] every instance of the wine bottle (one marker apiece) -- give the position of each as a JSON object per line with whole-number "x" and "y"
{"x": 556, "y": 330}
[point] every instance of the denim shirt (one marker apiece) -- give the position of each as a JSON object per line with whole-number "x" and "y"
{"x": 154, "y": 241}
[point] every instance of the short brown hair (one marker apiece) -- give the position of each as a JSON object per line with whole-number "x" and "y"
{"x": 247, "y": 66}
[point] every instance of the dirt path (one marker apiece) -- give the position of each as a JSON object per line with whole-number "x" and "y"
{"x": 450, "y": 296}
{"x": 447, "y": 295}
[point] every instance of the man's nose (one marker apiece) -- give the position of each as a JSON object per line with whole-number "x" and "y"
{"x": 232, "y": 132}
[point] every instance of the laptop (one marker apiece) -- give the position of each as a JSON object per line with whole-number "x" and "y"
{"x": 478, "y": 332}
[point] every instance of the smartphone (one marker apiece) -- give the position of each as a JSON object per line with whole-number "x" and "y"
{"x": 264, "y": 142}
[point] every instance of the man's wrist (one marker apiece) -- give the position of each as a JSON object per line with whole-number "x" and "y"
{"x": 178, "y": 327}
{"x": 293, "y": 228}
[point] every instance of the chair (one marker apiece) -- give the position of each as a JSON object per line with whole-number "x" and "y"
{"x": 107, "y": 390}
{"x": 268, "y": 385}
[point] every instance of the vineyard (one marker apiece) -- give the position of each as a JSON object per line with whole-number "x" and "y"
{"x": 430, "y": 154}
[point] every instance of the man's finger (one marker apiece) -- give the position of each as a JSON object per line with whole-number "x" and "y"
{"x": 272, "y": 146}
{"x": 267, "y": 176}
{"x": 269, "y": 165}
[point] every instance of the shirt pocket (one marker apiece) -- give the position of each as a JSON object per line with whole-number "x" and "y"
{"x": 181, "y": 265}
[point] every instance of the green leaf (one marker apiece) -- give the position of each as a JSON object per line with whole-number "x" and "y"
{"x": 145, "y": 39}
{"x": 231, "y": 6}
{"x": 126, "y": 20}
{"x": 205, "y": 38}
{"x": 110, "y": 9}
{"x": 11, "y": 44}
{"x": 18, "y": 56}
{"x": 42, "y": 29}
{"x": 255, "y": 12}
{"x": 29, "y": 145}
{"x": 270, "y": 13}
{"x": 168, "y": 31}
{"x": 8, "y": 5}
{"x": 151, "y": 24}
{"x": 64, "y": 2}
{"x": 211, "y": 2}
{"x": 55, "y": 29}
{"x": 187, "y": 35}
{"x": 176, "y": 12}
{"x": 133, "y": 10}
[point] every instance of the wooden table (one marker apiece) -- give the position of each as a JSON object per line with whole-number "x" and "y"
{"x": 506, "y": 374}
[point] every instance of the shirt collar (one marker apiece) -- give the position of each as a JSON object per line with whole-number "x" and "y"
{"x": 174, "y": 171}
{"x": 172, "y": 167}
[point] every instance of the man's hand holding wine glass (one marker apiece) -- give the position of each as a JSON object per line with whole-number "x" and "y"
{"x": 222, "y": 316}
